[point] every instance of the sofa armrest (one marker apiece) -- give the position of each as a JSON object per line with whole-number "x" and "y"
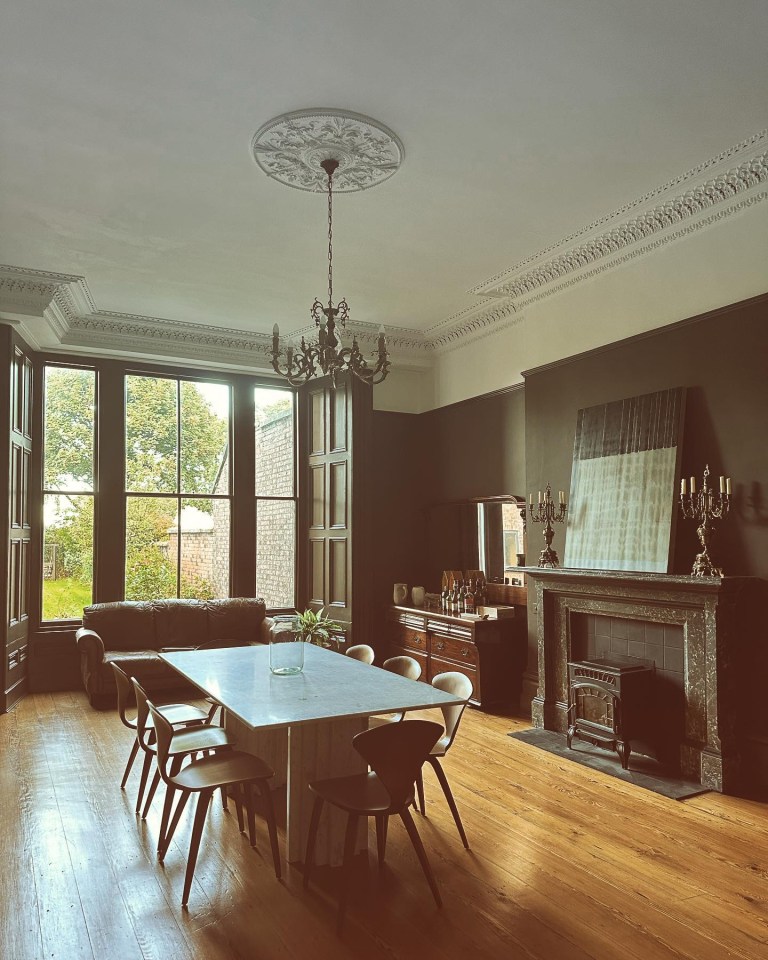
{"x": 90, "y": 645}
{"x": 265, "y": 630}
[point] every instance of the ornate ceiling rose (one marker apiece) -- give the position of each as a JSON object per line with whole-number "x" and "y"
{"x": 291, "y": 147}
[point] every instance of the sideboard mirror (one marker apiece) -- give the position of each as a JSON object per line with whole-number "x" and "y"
{"x": 486, "y": 533}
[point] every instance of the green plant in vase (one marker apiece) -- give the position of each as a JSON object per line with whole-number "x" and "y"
{"x": 317, "y": 628}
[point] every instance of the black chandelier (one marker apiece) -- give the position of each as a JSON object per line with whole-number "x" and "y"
{"x": 326, "y": 355}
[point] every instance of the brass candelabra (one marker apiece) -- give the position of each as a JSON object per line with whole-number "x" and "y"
{"x": 545, "y": 513}
{"x": 704, "y": 506}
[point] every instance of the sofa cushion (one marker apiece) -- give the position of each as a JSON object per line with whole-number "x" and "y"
{"x": 237, "y": 618}
{"x": 122, "y": 625}
{"x": 180, "y": 623}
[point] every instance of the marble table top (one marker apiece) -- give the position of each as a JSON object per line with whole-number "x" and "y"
{"x": 331, "y": 686}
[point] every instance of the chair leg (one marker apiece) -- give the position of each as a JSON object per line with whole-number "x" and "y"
{"x": 269, "y": 813}
{"x": 194, "y": 844}
{"x": 346, "y": 881}
{"x": 170, "y": 792}
{"x": 418, "y": 846}
{"x": 166, "y": 840}
{"x": 437, "y": 767}
{"x": 250, "y": 811}
{"x": 129, "y": 765}
{"x": 420, "y": 792}
{"x": 143, "y": 782}
{"x": 382, "y": 822}
{"x": 314, "y": 823}
{"x": 150, "y": 795}
{"x": 237, "y": 797}
{"x": 224, "y": 798}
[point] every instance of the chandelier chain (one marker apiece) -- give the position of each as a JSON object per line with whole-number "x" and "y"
{"x": 330, "y": 239}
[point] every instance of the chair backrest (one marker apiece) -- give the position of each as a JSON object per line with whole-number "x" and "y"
{"x": 396, "y": 752}
{"x": 405, "y": 666}
{"x": 361, "y": 651}
{"x": 125, "y": 696}
{"x": 164, "y": 733}
{"x": 460, "y": 686}
{"x": 142, "y": 714}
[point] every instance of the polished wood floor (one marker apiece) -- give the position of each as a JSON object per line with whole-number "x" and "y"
{"x": 566, "y": 864}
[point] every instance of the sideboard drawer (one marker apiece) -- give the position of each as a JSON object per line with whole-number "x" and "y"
{"x": 454, "y": 648}
{"x": 409, "y": 638}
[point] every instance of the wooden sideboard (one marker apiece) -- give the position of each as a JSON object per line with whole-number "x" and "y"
{"x": 490, "y": 652}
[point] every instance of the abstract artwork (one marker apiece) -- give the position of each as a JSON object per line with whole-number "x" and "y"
{"x": 622, "y": 498}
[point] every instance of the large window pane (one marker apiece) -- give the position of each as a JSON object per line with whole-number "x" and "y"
{"x": 151, "y": 435}
{"x": 67, "y": 555}
{"x": 204, "y": 556}
{"x": 151, "y": 549}
{"x": 69, "y": 428}
{"x": 276, "y": 551}
{"x": 274, "y": 442}
{"x": 204, "y": 438}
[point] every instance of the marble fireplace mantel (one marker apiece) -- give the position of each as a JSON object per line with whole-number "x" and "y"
{"x": 714, "y": 614}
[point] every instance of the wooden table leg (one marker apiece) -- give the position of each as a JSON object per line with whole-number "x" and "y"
{"x": 311, "y": 751}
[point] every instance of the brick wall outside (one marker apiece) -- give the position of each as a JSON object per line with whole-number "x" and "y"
{"x": 275, "y": 523}
{"x": 206, "y": 553}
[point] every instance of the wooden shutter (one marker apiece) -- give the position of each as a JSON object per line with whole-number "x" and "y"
{"x": 15, "y": 513}
{"x": 334, "y": 512}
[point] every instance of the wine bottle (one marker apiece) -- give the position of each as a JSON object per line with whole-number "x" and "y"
{"x": 469, "y": 598}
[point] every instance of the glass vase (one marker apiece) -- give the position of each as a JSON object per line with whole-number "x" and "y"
{"x": 286, "y": 648}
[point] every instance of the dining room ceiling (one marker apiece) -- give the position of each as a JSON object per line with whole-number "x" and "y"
{"x": 126, "y": 143}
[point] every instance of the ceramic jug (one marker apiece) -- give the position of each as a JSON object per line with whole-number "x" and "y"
{"x": 400, "y": 593}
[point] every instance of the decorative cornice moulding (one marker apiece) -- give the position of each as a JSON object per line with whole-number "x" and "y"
{"x": 139, "y": 334}
{"x": 551, "y": 265}
{"x": 474, "y": 324}
{"x": 641, "y": 250}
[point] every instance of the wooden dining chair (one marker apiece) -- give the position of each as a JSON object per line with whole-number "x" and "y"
{"x": 459, "y": 686}
{"x": 232, "y": 769}
{"x": 395, "y": 753}
{"x": 177, "y": 714}
{"x": 361, "y": 651}
{"x": 186, "y": 742}
{"x": 405, "y": 667}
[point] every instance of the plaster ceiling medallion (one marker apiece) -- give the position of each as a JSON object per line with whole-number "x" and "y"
{"x": 290, "y": 149}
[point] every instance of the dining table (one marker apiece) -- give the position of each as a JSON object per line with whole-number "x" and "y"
{"x": 303, "y": 724}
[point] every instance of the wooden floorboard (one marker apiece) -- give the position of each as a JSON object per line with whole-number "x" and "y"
{"x": 566, "y": 863}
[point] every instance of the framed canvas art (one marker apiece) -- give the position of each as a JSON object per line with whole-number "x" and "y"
{"x": 625, "y": 467}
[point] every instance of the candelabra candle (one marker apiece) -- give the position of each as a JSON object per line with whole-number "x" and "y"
{"x": 544, "y": 512}
{"x": 705, "y": 506}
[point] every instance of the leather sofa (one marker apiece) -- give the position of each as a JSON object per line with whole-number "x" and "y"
{"x": 133, "y": 633}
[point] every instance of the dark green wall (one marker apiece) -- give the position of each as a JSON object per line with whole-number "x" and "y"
{"x": 722, "y": 360}
{"x": 470, "y": 449}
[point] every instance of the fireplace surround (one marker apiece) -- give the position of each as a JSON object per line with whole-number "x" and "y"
{"x": 718, "y": 617}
